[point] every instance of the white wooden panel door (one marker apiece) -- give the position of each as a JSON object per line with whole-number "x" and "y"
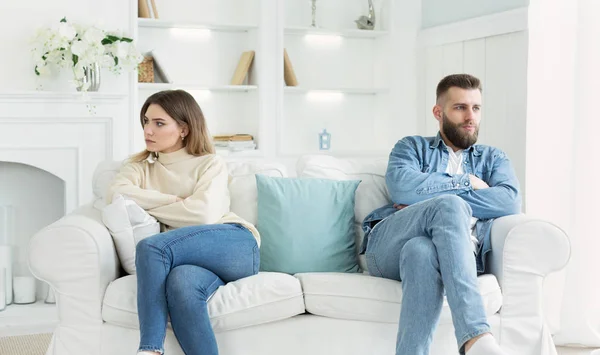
{"x": 500, "y": 62}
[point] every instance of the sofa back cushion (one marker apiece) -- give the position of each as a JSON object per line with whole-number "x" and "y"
{"x": 242, "y": 184}
{"x": 372, "y": 192}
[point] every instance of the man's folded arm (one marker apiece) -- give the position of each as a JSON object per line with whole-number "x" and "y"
{"x": 502, "y": 198}
{"x": 406, "y": 183}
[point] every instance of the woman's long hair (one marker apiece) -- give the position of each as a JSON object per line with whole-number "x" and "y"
{"x": 184, "y": 109}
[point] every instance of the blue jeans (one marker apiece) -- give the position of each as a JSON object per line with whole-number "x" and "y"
{"x": 427, "y": 246}
{"x": 177, "y": 271}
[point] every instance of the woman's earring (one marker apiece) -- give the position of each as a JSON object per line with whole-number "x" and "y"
{"x": 182, "y": 137}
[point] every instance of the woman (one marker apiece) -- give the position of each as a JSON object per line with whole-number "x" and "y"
{"x": 181, "y": 182}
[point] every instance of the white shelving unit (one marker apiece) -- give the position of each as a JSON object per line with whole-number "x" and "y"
{"x": 257, "y": 153}
{"x": 158, "y": 23}
{"x": 344, "y": 73}
{"x": 171, "y": 86}
{"x": 343, "y": 78}
{"x": 198, "y": 44}
{"x": 350, "y": 33}
{"x": 354, "y": 91}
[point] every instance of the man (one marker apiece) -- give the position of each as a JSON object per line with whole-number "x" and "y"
{"x": 445, "y": 192}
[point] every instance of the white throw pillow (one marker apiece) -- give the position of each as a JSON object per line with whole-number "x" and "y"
{"x": 128, "y": 223}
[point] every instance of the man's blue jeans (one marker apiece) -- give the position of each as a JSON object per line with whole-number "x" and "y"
{"x": 427, "y": 246}
{"x": 177, "y": 271}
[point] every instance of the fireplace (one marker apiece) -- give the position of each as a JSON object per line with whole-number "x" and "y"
{"x": 30, "y": 199}
{"x": 50, "y": 144}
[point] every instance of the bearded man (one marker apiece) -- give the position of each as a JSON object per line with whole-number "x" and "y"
{"x": 435, "y": 235}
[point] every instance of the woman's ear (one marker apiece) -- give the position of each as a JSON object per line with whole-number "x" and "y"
{"x": 185, "y": 130}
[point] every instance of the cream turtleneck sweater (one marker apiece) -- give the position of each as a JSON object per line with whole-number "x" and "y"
{"x": 200, "y": 181}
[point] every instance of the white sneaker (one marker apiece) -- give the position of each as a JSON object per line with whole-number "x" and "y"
{"x": 486, "y": 345}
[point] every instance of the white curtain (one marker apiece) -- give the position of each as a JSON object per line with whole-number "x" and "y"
{"x": 581, "y": 302}
{"x": 563, "y": 149}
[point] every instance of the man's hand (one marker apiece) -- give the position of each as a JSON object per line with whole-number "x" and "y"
{"x": 399, "y": 207}
{"x": 477, "y": 183}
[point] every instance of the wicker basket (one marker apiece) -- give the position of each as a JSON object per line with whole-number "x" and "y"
{"x": 146, "y": 70}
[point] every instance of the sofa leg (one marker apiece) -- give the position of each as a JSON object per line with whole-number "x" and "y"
{"x": 523, "y": 329}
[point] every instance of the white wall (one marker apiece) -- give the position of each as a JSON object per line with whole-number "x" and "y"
{"x": 38, "y": 197}
{"x": 19, "y": 21}
{"x": 439, "y": 12}
{"x": 562, "y": 131}
{"x": 540, "y": 105}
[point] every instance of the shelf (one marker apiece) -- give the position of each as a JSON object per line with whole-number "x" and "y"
{"x": 341, "y": 154}
{"x": 25, "y": 319}
{"x": 154, "y": 23}
{"x": 357, "y": 91}
{"x": 350, "y": 33}
{"x": 256, "y": 153}
{"x": 223, "y": 88}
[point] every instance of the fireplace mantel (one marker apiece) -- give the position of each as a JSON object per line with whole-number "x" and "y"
{"x": 66, "y": 134}
{"x": 57, "y": 96}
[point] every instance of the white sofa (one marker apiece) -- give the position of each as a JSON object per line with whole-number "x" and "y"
{"x": 273, "y": 313}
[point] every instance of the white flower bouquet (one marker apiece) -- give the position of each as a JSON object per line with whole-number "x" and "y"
{"x": 79, "y": 48}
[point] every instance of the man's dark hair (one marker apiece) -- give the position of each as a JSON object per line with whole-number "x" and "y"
{"x": 463, "y": 81}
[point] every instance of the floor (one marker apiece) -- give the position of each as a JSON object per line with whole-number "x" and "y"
{"x": 36, "y": 344}
{"x": 36, "y": 318}
{"x": 576, "y": 351}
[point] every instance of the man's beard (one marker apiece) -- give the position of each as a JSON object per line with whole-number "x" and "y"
{"x": 455, "y": 136}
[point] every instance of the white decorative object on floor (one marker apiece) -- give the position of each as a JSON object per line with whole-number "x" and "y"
{"x": 24, "y": 289}
{"x": 2, "y": 289}
{"x": 6, "y": 225}
{"x": 6, "y": 264}
{"x": 50, "y": 299}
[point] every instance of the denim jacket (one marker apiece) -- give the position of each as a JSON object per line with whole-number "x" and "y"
{"x": 417, "y": 171}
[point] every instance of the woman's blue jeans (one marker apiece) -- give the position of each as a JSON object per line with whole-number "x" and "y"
{"x": 427, "y": 246}
{"x": 177, "y": 271}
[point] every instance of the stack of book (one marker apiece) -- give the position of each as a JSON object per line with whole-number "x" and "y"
{"x": 235, "y": 143}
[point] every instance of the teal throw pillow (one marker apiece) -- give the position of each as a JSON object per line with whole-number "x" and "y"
{"x": 306, "y": 224}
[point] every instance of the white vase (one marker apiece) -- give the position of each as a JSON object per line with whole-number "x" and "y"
{"x": 6, "y": 264}
{"x": 91, "y": 75}
{"x": 2, "y": 288}
{"x": 50, "y": 296}
{"x": 24, "y": 289}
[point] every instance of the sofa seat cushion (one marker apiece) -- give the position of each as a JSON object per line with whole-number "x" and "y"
{"x": 368, "y": 298}
{"x": 258, "y": 299}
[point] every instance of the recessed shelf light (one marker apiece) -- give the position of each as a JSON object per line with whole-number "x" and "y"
{"x": 324, "y": 96}
{"x": 325, "y": 40}
{"x": 191, "y": 33}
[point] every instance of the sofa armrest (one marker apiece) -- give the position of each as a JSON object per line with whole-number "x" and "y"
{"x": 77, "y": 257}
{"x": 523, "y": 244}
{"x": 525, "y": 250}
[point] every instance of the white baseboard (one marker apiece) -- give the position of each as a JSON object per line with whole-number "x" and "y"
{"x": 28, "y": 319}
